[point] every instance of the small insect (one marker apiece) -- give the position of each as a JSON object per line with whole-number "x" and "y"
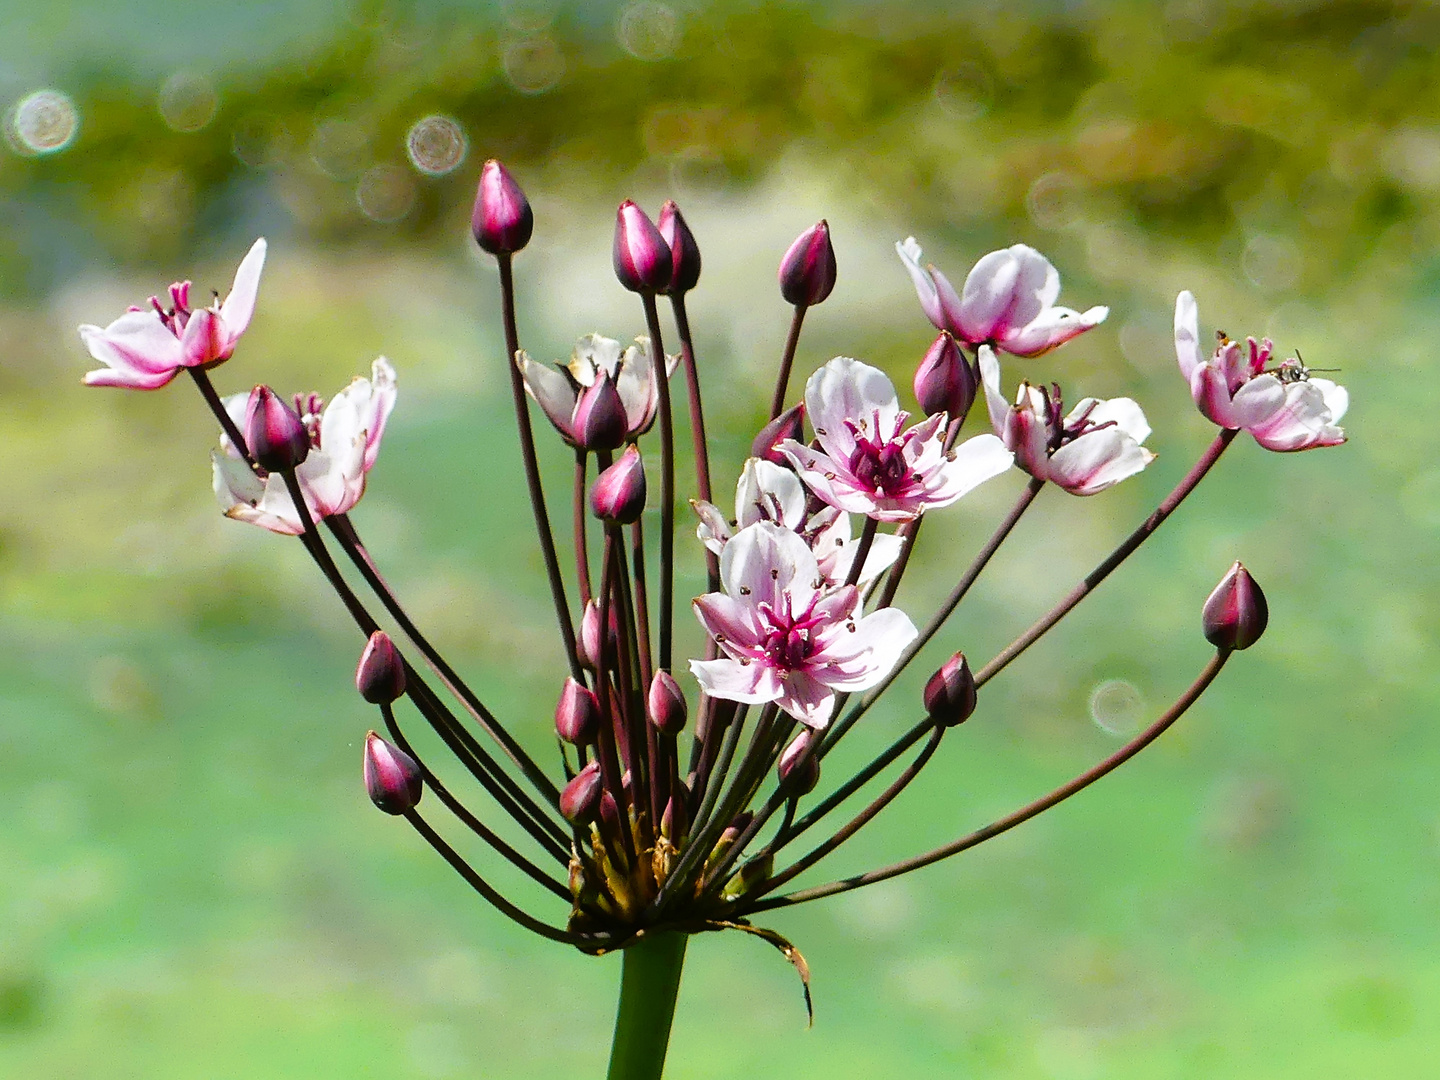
{"x": 1294, "y": 370}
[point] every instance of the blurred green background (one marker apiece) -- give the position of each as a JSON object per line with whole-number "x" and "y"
{"x": 193, "y": 881}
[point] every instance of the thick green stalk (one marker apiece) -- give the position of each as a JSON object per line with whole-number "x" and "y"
{"x": 649, "y": 984}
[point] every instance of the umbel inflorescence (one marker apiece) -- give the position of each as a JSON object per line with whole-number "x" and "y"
{"x": 687, "y": 794}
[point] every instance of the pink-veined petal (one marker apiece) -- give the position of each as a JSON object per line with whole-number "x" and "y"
{"x": 1257, "y": 401}
{"x": 713, "y": 530}
{"x": 1051, "y": 329}
{"x": 729, "y": 620}
{"x": 866, "y": 655}
{"x": 806, "y": 699}
{"x": 750, "y": 684}
{"x": 1097, "y": 460}
{"x": 1123, "y": 413}
{"x": 765, "y": 560}
{"x": 203, "y": 341}
{"x": 1303, "y": 422}
{"x": 976, "y": 460}
{"x": 552, "y": 391}
{"x": 846, "y": 389}
{"x": 910, "y": 254}
{"x": 988, "y": 295}
{"x": 137, "y": 344}
{"x": 639, "y": 389}
{"x": 1187, "y": 334}
{"x": 995, "y": 400}
{"x": 768, "y": 492}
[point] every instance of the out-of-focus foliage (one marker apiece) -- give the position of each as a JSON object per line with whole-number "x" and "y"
{"x": 1189, "y": 120}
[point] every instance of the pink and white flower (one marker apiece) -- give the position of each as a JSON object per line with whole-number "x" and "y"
{"x": 867, "y": 464}
{"x": 786, "y": 640}
{"x": 344, "y": 443}
{"x": 568, "y": 392}
{"x": 146, "y": 347}
{"x": 1008, "y": 300}
{"x": 770, "y": 492}
{"x": 1094, "y": 447}
{"x": 1283, "y": 407}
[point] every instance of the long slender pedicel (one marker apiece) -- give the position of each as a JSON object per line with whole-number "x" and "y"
{"x": 473, "y": 823}
{"x": 578, "y": 522}
{"x": 952, "y": 601}
{"x": 212, "y": 399}
{"x": 343, "y": 529}
{"x": 862, "y": 550}
{"x": 787, "y": 361}
{"x": 666, "y": 614}
{"x": 859, "y": 821}
{"x": 605, "y": 663}
{"x": 1119, "y": 555}
{"x": 697, "y": 423}
{"x": 532, "y": 465}
{"x": 529, "y": 922}
{"x": 1025, "y": 813}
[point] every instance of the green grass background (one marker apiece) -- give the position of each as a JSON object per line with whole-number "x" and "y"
{"x": 194, "y": 884}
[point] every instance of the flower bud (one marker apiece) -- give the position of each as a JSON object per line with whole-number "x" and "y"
{"x": 610, "y": 816}
{"x": 502, "y": 221}
{"x": 618, "y": 494}
{"x": 1236, "y": 613}
{"x": 945, "y": 381}
{"x": 803, "y": 781}
{"x": 789, "y": 424}
{"x": 950, "y": 693}
{"x": 577, "y": 715}
{"x": 380, "y": 676}
{"x": 684, "y": 251}
{"x": 738, "y": 824}
{"x": 392, "y": 778}
{"x": 666, "y": 703}
{"x": 675, "y": 821}
{"x": 641, "y": 256}
{"x": 588, "y": 645}
{"x": 277, "y": 439}
{"x": 807, "y": 272}
{"x": 580, "y": 799}
{"x": 599, "y": 422}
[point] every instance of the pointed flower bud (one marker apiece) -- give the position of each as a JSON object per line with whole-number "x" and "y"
{"x": 1236, "y": 613}
{"x": 787, "y": 426}
{"x": 380, "y": 676}
{"x": 802, "y": 778}
{"x": 945, "y": 381}
{"x": 277, "y": 438}
{"x": 580, "y": 800}
{"x": 618, "y": 494}
{"x": 950, "y": 693}
{"x": 577, "y": 715}
{"x": 641, "y": 256}
{"x": 610, "y": 816}
{"x": 666, "y": 703}
{"x": 738, "y": 824}
{"x": 599, "y": 421}
{"x": 807, "y": 272}
{"x": 684, "y": 251}
{"x": 392, "y": 778}
{"x": 502, "y": 221}
{"x": 675, "y": 821}
{"x": 588, "y": 645}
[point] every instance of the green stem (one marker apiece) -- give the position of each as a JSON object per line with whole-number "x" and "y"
{"x": 649, "y": 984}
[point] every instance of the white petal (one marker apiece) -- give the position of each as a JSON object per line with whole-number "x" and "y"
{"x": 988, "y": 295}
{"x": 910, "y": 254}
{"x": 713, "y": 530}
{"x": 768, "y": 492}
{"x": 847, "y": 389}
{"x": 766, "y": 560}
{"x": 1187, "y": 334}
{"x": 552, "y": 391}
{"x": 1123, "y": 412}
{"x": 751, "y": 684}
{"x": 1097, "y": 460}
{"x": 239, "y": 306}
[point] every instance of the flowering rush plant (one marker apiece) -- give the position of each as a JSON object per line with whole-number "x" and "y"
{"x": 687, "y": 793}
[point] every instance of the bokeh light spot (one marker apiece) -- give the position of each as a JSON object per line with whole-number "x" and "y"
{"x": 648, "y": 30}
{"x": 187, "y": 101}
{"x": 1056, "y": 200}
{"x": 534, "y": 64}
{"x": 339, "y": 148}
{"x": 436, "y": 145}
{"x": 1117, "y": 707}
{"x": 386, "y": 193}
{"x": 965, "y": 91}
{"x": 42, "y": 123}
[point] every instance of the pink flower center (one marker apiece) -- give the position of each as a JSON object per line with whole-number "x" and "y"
{"x": 788, "y": 642}
{"x": 878, "y": 461}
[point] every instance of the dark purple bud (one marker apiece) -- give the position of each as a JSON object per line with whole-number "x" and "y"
{"x": 577, "y": 715}
{"x": 945, "y": 381}
{"x": 641, "y": 256}
{"x": 588, "y": 645}
{"x": 618, "y": 494}
{"x": 684, "y": 252}
{"x": 807, "y": 272}
{"x": 392, "y": 778}
{"x": 789, "y": 424}
{"x": 610, "y": 816}
{"x": 502, "y": 221}
{"x": 580, "y": 799}
{"x": 675, "y": 821}
{"x": 801, "y": 775}
{"x": 666, "y": 703}
{"x": 380, "y": 676}
{"x": 599, "y": 421}
{"x": 950, "y": 693}
{"x": 274, "y": 432}
{"x": 1236, "y": 613}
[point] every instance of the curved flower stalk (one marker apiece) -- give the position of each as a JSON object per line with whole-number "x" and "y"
{"x": 1093, "y": 447}
{"x": 147, "y": 347}
{"x": 1282, "y": 406}
{"x": 640, "y": 843}
{"x": 1008, "y": 300}
{"x": 767, "y": 492}
{"x": 344, "y": 443}
{"x": 786, "y": 640}
{"x": 868, "y": 463}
